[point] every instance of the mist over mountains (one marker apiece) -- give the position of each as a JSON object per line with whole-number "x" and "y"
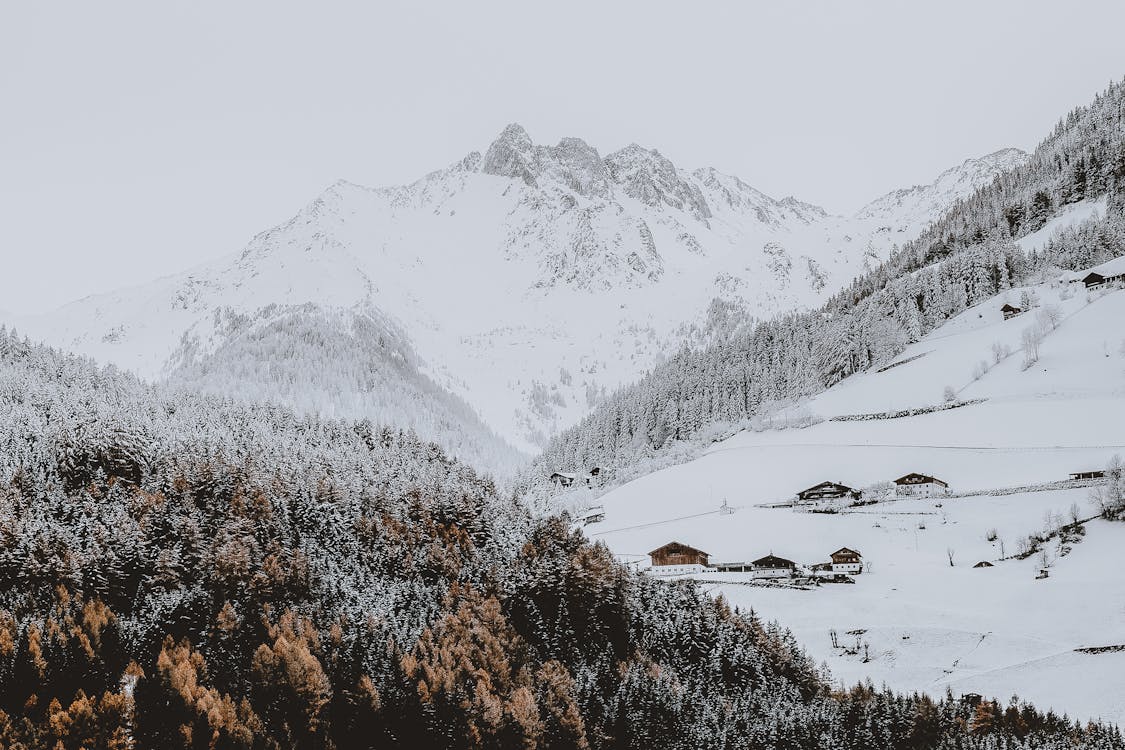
{"x": 493, "y": 302}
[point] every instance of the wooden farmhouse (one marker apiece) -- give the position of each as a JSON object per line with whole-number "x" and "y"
{"x": 827, "y": 491}
{"x": 567, "y": 478}
{"x": 1112, "y": 272}
{"x": 771, "y": 566}
{"x": 920, "y": 485}
{"x": 846, "y": 560}
{"x": 983, "y": 564}
{"x": 562, "y": 479}
{"x": 1094, "y": 474}
{"x": 1010, "y": 311}
{"x": 675, "y": 558}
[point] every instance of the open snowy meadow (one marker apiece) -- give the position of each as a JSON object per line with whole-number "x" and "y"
{"x": 922, "y": 617}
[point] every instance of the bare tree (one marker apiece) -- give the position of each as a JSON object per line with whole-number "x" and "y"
{"x": 1049, "y": 317}
{"x": 999, "y": 352}
{"x": 949, "y": 554}
{"x": 1031, "y": 338}
{"x": 949, "y": 394}
{"x": 1109, "y": 497}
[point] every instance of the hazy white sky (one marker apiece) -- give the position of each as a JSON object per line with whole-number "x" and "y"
{"x": 138, "y": 139}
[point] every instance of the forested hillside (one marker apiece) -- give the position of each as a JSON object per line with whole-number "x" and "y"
{"x": 338, "y": 363}
{"x": 185, "y": 571}
{"x": 966, "y": 256}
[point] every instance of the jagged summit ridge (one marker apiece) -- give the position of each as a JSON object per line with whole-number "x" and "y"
{"x": 528, "y": 279}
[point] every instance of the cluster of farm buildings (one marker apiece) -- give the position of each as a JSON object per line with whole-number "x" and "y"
{"x": 910, "y": 485}
{"x": 676, "y": 558}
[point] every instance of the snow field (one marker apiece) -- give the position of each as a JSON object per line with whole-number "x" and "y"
{"x": 930, "y": 626}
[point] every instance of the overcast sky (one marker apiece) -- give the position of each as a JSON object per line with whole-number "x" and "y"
{"x": 139, "y": 139}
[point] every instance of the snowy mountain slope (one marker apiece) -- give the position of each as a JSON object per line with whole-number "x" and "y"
{"x": 529, "y": 280}
{"x": 345, "y": 363}
{"x": 928, "y": 624}
{"x": 922, "y": 204}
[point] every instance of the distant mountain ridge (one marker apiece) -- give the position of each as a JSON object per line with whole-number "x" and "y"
{"x": 526, "y": 281}
{"x": 1059, "y": 208}
{"x": 924, "y": 203}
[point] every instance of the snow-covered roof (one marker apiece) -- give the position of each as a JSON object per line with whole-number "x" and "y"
{"x": 1115, "y": 267}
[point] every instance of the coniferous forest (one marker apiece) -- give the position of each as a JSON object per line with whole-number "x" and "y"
{"x": 967, "y": 256}
{"x": 184, "y": 571}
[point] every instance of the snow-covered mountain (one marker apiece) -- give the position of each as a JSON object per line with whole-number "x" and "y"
{"x": 526, "y": 282}
{"x": 925, "y": 615}
{"x": 919, "y": 205}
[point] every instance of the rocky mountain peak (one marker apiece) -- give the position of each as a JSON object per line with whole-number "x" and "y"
{"x": 651, "y": 178}
{"x": 513, "y": 155}
{"x": 579, "y": 166}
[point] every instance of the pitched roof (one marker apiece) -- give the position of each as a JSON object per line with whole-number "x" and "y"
{"x": 924, "y": 478}
{"x": 772, "y": 561}
{"x": 845, "y": 551}
{"x": 1115, "y": 267}
{"x": 686, "y": 548}
{"x": 844, "y": 487}
{"x": 1010, "y": 308}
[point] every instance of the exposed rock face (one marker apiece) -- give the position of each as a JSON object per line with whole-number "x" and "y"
{"x": 497, "y": 271}
{"x": 580, "y": 168}
{"x": 512, "y": 155}
{"x": 652, "y": 179}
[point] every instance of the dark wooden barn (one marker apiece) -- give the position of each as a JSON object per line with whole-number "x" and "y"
{"x": 675, "y": 553}
{"x": 827, "y": 491}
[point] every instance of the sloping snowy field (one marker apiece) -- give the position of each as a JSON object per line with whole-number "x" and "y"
{"x": 928, "y": 625}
